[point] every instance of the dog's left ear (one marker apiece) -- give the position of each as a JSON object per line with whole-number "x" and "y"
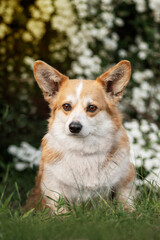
{"x": 115, "y": 79}
{"x": 48, "y": 79}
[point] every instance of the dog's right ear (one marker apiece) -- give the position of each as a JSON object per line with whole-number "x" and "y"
{"x": 48, "y": 79}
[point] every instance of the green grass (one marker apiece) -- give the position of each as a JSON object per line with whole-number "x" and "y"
{"x": 101, "y": 221}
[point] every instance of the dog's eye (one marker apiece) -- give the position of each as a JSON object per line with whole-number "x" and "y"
{"x": 66, "y": 107}
{"x": 91, "y": 108}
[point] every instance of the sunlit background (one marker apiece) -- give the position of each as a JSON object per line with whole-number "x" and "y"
{"x": 82, "y": 39}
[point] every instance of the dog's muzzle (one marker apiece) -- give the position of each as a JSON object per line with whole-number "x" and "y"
{"x": 75, "y": 127}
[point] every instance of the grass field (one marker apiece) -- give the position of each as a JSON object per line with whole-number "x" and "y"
{"x": 102, "y": 221}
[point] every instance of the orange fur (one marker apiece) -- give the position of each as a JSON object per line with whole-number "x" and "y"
{"x": 36, "y": 194}
{"x": 48, "y": 154}
{"x": 123, "y": 142}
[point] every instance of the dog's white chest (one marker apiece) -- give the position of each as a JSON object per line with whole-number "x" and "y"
{"x": 79, "y": 177}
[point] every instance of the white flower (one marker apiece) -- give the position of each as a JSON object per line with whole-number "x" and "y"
{"x": 142, "y": 55}
{"x": 137, "y": 100}
{"x": 138, "y": 162}
{"x": 145, "y": 128}
{"x": 110, "y": 44}
{"x": 137, "y": 149}
{"x": 76, "y": 68}
{"x": 24, "y": 76}
{"x": 10, "y": 68}
{"x": 87, "y": 72}
{"x": 145, "y": 87}
{"x": 46, "y": 9}
{"x": 29, "y": 61}
{"x": 122, "y": 53}
{"x": 19, "y": 166}
{"x": 133, "y": 48}
{"x": 138, "y": 76}
{"x": 148, "y": 73}
{"x": 153, "y": 178}
{"x": 136, "y": 133}
{"x": 108, "y": 18}
{"x": 154, "y": 106}
{"x": 155, "y": 6}
{"x": 12, "y": 149}
{"x": 138, "y": 182}
{"x": 154, "y": 127}
{"x": 115, "y": 36}
{"x": 88, "y": 52}
{"x": 64, "y": 18}
{"x": 156, "y": 147}
{"x": 143, "y": 46}
{"x": 27, "y": 37}
{"x": 4, "y": 30}
{"x": 102, "y": 33}
{"x": 134, "y": 125}
{"x": 141, "y": 142}
{"x": 119, "y": 22}
{"x": 106, "y": 1}
{"x": 145, "y": 154}
{"x": 156, "y": 162}
{"x": 148, "y": 164}
{"x": 140, "y": 5}
{"x": 128, "y": 125}
{"x": 153, "y": 137}
{"x": 35, "y": 13}
{"x": 36, "y": 27}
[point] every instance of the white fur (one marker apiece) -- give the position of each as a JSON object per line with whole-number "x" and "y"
{"x": 79, "y": 89}
{"x": 71, "y": 99}
{"x": 79, "y": 176}
{"x": 88, "y": 101}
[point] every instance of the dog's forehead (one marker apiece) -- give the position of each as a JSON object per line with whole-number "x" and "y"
{"x": 81, "y": 89}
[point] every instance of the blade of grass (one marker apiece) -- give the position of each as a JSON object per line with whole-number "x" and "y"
{"x": 39, "y": 202}
{"x": 105, "y": 202}
{"x": 28, "y": 213}
{"x": 6, "y": 202}
{"x": 5, "y": 114}
{"x": 7, "y": 173}
{"x": 2, "y": 194}
{"x": 17, "y": 190}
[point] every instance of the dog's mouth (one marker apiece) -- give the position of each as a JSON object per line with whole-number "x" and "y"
{"x": 76, "y": 135}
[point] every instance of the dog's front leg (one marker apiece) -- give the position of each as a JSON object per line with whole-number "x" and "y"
{"x": 56, "y": 202}
{"x": 125, "y": 194}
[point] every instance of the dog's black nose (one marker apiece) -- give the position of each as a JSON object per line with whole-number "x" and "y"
{"x": 75, "y": 127}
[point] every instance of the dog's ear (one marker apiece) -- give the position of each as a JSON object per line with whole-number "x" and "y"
{"x": 115, "y": 79}
{"x": 48, "y": 79}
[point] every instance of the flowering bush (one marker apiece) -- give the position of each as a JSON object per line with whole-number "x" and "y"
{"x": 82, "y": 39}
{"x": 145, "y": 140}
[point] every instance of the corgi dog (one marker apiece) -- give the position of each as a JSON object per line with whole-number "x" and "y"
{"x": 86, "y": 151}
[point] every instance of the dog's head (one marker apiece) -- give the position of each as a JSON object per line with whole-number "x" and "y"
{"x": 81, "y": 109}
